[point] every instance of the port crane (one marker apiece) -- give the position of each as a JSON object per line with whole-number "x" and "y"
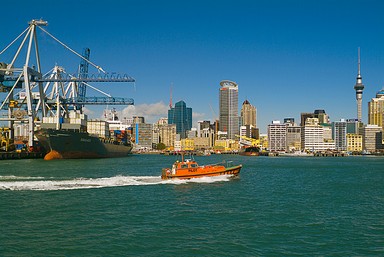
{"x": 30, "y": 95}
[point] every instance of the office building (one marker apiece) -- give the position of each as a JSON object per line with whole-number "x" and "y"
{"x": 372, "y": 138}
{"x": 181, "y": 115}
{"x": 376, "y": 110}
{"x": 354, "y": 143}
{"x": 315, "y": 138}
{"x": 277, "y": 134}
{"x": 228, "y": 105}
{"x": 293, "y": 138}
{"x": 340, "y": 135}
{"x": 248, "y": 114}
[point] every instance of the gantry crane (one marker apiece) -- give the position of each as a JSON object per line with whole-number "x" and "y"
{"x": 32, "y": 87}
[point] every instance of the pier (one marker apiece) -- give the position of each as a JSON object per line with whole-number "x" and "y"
{"x": 21, "y": 155}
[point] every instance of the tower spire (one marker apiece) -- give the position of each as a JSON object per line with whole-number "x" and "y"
{"x": 170, "y": 96}
{"x": 359, "y": 87}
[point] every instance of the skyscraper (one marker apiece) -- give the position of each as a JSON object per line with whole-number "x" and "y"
{"x": 248, "y": 114}
{"x": 229, "y": 115}
{"x": 359, "y": 87}
{"x": 181, "y": 115}
{"x": 376, "y": 110}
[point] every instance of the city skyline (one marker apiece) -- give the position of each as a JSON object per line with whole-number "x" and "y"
{"x": 287, "y": 57}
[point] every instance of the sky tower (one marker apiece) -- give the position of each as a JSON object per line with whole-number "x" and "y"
{"x": 359, "y": 87}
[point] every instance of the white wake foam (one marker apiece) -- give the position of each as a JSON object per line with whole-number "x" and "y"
{"x": 41, "y": 183}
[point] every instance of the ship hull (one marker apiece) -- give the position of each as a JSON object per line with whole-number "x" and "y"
{"x": 77, "y": 145}
{"x": 250, "y": 151}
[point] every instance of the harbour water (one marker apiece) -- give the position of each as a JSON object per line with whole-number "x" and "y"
{"x": 278, "y": 206}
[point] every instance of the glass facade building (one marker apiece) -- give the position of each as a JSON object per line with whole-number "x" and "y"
{"x": 229, "y": 115}
{"x": 181, "y": 115}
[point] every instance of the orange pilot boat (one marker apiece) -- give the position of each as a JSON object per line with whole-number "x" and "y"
{"x": 188, "y": 168}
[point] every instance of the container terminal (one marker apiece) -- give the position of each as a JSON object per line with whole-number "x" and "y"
{"x": 43, "y": 112}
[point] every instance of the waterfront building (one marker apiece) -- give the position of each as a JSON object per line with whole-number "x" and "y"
{"x": 177, "y": 145}
{"x": 228, "y": 106}
{"x": 293, "y": 138}
{"x": 142, "y": 133}
{"x": 226, "y": 145}
{"x": 202, "y": 125}
{"x": 167, "y": 135}
{"x": 249, "y": 131}
{"x": 187, "y": 144}
{"x": 277, "y": 134}
{"x": 209, "y": 134}
{"x": 248, "y": 114}
{"x": 312, "y": 137}
{"x": 372, "y": 138}
{"x": 354, "y": 143}
{"x": 340, "y": 135}
{"x": 192, "y": 133}
{"x": 181, "y": 115}
{"x": 164, "y": 133}
{"x": 202, "y": 143}
{"x": 376, "y": 110}
{"x": 359, "y": 87}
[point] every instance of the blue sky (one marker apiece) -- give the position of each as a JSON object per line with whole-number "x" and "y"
{"x": 287, "y": 56}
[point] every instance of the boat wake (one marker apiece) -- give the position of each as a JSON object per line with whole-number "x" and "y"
{"x": 51, "y": 184}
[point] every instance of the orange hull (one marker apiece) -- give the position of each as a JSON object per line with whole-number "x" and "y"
{"x": 194, "y": 171}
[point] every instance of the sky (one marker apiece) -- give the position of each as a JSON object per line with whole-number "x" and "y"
{"x": 287, "y": 56}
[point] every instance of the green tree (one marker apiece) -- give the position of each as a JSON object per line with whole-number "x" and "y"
{"x": 161, "y": 146}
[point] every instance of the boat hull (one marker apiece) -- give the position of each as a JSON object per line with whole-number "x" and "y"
{"x": 203, "y": 172}
{"x": 250, "y": 151}
{"x": 78, "y": 145}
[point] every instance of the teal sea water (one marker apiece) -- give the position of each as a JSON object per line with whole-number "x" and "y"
{"x": 278, "y": 206}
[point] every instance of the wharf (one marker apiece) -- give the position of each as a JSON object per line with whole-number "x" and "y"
{"x": 21, "y": 155}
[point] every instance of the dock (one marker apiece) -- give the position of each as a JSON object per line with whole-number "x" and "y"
{"x": 21, "y": 155}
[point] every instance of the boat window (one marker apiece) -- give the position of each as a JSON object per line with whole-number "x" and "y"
{"x": 183, "y": 166}
{"x": 193, "y": 165}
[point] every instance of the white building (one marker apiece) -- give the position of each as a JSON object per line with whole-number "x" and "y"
{"x": 277, "y": 134}
{"x": 314, "y": 138}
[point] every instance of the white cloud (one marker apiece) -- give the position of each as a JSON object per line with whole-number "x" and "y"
{"x": 151, "y": 112}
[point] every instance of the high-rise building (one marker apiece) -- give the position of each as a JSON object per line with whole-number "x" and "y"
{"x": 164, "y": 133}
{"x": 293, "y": 139}
{"x": 314, "y": 137}
{"x": 376, "y": 110}
{"x": 359, "y": 87}
{"x": 322, "y": 116}
{"x": 304, "y": 116}
{"x": 248, "y": 114}
{"x": 340, "y": 135}
{"x": 277, "y": 135}
{"x": 353, "y": 126}
{"x": 181, "y": 115}
{"x": 372, "y": 138}
{"x": 229, "y": 114}
{"x": 143, "y": 134}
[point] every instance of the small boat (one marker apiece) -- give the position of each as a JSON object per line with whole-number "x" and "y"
{"x": 188, "y": 168}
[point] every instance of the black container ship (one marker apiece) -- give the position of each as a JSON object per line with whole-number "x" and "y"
{"x": 69, "y": 139}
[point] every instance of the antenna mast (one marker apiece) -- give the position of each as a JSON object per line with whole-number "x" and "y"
{"x": 170, "y": 98}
